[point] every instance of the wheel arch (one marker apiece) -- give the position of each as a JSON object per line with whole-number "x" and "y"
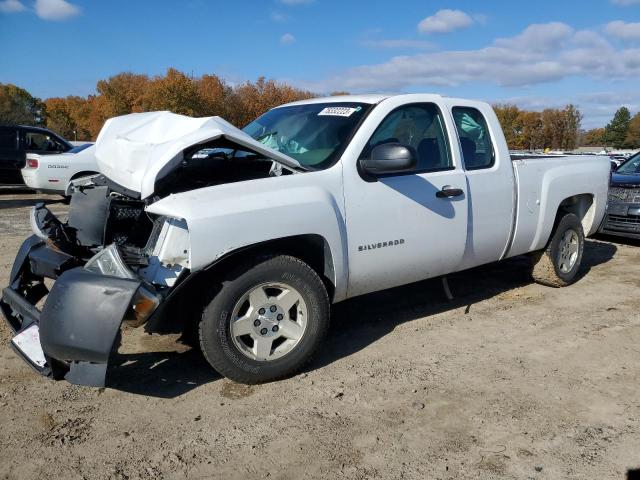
{"x": 183, "y": 306}
{"x": 582, "y": 206}
{"x": 313, "y": 249}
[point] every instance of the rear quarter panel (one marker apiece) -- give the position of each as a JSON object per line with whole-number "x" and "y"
{"x": 542, "y": 186}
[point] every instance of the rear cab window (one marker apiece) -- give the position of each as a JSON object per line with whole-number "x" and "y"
{"x": 475, "y": 139}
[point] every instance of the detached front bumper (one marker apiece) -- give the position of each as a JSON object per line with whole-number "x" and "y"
{"x": 80, "y": 321}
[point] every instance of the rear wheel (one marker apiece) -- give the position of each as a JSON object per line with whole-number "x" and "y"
{"x": 559, "y": 263}
{"x": 266, "y": 320}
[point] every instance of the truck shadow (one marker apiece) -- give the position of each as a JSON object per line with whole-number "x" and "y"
{"x": 631, "y": 242}
{"x": 363, "y": 320}
{"x": 159, "y": 374}
{"x": 356, "y": 323}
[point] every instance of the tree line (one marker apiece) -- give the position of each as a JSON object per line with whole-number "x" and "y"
{"x": 623, "y": 131}
{"x": 553, "y": 128}
{"x": 208, "y": 95}
{"x": 76, "y": 117}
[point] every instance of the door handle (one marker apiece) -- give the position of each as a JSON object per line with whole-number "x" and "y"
{"x": 448, "y": 191}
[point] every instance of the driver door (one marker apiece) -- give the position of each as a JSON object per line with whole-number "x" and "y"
{"x": 400, "y": 228}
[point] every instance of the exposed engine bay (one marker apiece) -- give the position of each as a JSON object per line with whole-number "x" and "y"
{"x": 106, "y": 215}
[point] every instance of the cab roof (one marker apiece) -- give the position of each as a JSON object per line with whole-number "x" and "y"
{"x": 370, "y": 98}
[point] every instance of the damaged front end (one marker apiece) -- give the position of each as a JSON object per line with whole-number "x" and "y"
{"x": 114, "y": 261}
{"x": 110, "y": 263}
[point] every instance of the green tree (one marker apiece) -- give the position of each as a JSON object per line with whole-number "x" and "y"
{"x": 17, "y": 106}
{"x": 615, "y": 133}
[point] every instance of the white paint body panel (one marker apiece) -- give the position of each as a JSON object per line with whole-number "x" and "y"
{"x": 226, "y": 217}
{"x": 505, "y": 210}
{"x": 55, "y": 171}
{"x": 544, "y": 183}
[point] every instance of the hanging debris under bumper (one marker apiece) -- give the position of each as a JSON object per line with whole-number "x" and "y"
{"x": 74, "y": 334}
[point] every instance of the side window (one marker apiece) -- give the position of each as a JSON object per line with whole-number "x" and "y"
{"x": 420, "y": 126}
{"x": 41, "y": 142}
{"x": 8, "y": 139}
{"x": 475, "y": 140}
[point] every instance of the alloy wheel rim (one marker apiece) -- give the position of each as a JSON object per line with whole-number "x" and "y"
{"x": 268, "y": 321}
{"x": 568, "y": 250}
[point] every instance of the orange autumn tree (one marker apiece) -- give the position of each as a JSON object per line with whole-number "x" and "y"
{"x": 127, "y": 92}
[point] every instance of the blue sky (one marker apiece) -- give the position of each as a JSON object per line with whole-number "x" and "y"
{"x": 536, "y": 54}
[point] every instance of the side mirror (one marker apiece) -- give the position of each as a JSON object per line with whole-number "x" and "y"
{"x": 390, "y": 158}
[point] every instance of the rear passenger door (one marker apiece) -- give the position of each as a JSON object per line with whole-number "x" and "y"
{"x": 490, "y": 185}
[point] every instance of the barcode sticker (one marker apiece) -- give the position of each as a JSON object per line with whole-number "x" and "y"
{"x": 338, "y": 111}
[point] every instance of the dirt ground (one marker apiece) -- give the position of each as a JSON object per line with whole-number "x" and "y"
{"x": 509, "y": 380}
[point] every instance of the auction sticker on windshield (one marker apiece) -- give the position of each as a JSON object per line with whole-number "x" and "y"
{"x": 338, "y": 111}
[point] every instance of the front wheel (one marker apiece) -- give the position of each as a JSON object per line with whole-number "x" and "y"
{"x": 266, "y": 320}
{"x": 559, "y": 263}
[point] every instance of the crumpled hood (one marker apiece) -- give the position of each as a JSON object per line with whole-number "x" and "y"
{"x": 137, "y": 149}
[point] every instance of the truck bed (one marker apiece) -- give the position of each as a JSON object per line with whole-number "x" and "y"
{"x": 541, "y": 184}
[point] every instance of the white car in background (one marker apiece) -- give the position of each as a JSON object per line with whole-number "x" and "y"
{"x": 53, "y": 173}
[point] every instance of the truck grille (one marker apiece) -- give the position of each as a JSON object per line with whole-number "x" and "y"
{"x": 629, "y": 223}
{"x": 626, "y": 195}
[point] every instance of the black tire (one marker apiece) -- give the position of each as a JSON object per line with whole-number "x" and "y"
{"x": 216, "y": 340}
{"x": 550, "y": 265}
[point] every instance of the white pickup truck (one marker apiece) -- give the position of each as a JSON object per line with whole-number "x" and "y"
{"x": 246, "y": 245}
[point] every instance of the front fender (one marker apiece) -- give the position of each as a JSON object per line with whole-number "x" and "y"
{"x": 228, "y": 217}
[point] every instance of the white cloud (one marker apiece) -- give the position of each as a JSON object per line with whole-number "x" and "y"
{"x": 11, "y": 6}
{"x": 445, "y": 21}
{"x": 538, "y": 37}
{"x": 287, "y": 39}
{"x": 296, "y": 2}
{"x": 626, "y": 3}
{"x": 55, "y": 9}
{"x": 623, "y": 30}
{"x": 279, "y": 17}
{"x": 540, "y": 53}
{"x": 399, "y": 43}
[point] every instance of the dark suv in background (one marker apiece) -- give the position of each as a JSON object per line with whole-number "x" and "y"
{"x": 623, "y": 207}
{"x": 18, "y": 140}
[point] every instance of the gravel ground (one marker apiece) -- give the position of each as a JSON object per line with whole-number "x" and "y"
{"x": 509, "y": 380}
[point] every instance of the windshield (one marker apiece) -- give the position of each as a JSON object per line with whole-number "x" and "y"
{"x": 313, "y": 134}
{"x": 631, "y": 166}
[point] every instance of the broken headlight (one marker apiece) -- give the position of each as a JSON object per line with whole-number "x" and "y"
{"x": 109, "y": 262}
